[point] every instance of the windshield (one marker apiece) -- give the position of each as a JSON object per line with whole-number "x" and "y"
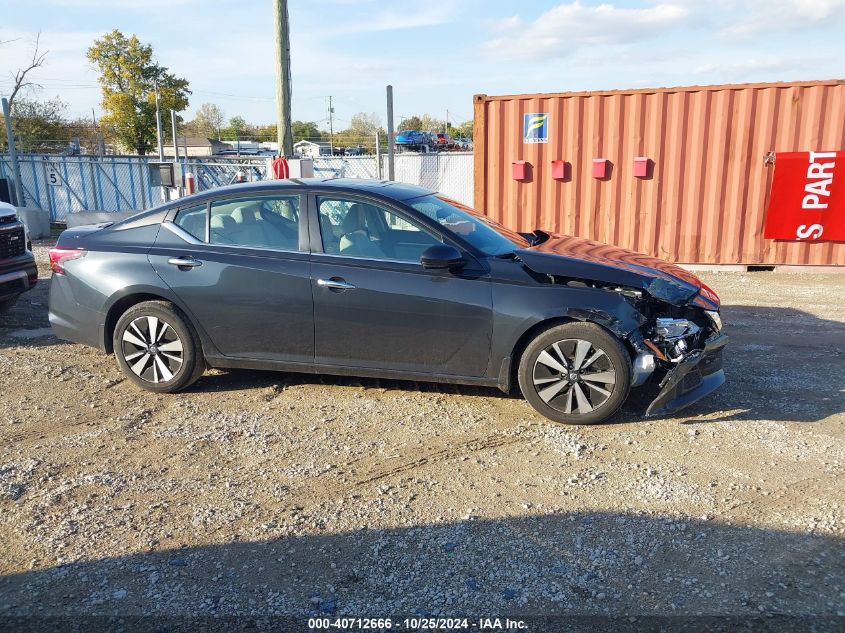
{"x": 489, "y": 237}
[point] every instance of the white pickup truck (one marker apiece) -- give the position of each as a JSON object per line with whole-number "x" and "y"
{"x": 18, "y": 272}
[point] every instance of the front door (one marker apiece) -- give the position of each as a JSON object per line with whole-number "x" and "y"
{"x": 239, "y": 268}
{"x": 376, "y": 307}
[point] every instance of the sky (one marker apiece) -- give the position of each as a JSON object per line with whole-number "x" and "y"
{"x": 436, "y": 53}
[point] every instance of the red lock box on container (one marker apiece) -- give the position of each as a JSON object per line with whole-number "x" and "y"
{"x": 559, "y": 169}
{"x": 599, "y": 168}
{"x": 520, "y": 169}
{"x": 641, "y": 166}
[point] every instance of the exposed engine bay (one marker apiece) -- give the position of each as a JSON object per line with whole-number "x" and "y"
{"x": 679, "y": 342}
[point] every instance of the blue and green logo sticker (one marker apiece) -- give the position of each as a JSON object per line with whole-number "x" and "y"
{"x": 535, "y": 128}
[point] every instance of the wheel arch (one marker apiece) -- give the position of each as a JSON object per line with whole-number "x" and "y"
{"x": 509, "y": 374}
{"x": 123, "y": 303}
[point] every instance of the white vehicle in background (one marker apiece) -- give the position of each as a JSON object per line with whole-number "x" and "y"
{"x": 18, "y": 272}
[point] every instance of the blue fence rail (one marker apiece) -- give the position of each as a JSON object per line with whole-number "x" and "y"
{"x": 69, "y": 184}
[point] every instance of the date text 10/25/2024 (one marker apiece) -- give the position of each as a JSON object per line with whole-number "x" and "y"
{"x": 416, "y": 624}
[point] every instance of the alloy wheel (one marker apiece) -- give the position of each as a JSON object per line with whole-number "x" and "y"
{"x": 574, "y": 376}
{"x": 152, "y": 349}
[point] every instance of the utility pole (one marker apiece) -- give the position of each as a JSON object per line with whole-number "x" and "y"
{"x": 284, "y": 133}
{"x": 158, "y": 127}
{"x": 331, "y": 126}
{"x": 13, "y": 155}
{"x": 390, "y": 157}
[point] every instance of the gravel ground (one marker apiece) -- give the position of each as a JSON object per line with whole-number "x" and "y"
{"x": 261, "y": 494}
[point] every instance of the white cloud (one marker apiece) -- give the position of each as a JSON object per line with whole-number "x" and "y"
{"x": 566, "y": 27}
{"x": 432, "y": 14}
{"x": 123, "y": 5}
{"x": 738, "y": 70}
{"x": 753, "y": 17}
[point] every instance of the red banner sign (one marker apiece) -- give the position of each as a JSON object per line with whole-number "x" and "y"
{"x": 808, "y": 197}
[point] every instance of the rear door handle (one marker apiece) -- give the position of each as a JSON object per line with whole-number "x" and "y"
{"x": 184, "y": 262}
{"x": 335, "y": 284}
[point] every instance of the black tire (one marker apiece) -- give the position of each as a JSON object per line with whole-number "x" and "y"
{"x": 560, "y": 397}
{"x": 154, "y": 366}
{"x": 7, "y": 304}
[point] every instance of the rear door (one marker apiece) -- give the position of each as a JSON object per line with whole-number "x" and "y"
{"x": 240, "y": 266}
{"x": 376, "y": 307}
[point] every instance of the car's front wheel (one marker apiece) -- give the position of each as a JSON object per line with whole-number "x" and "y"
{"x": 575, "y": 373}
{"x": 157, "y": 348}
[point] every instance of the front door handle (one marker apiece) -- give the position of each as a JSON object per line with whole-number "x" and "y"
{"x": 335, "y": 284}
{"x": 184, "y": 262}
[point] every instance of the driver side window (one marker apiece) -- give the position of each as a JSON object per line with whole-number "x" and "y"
{"x": 270, "y": 222}
{"x": 359, "y": 229}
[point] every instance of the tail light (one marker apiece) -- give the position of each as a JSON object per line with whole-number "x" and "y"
{"x": 58, "y": 257}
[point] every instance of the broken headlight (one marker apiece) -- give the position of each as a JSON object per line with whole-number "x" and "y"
{"x": 673, "y": 329}
{"x": 715, "y": 319}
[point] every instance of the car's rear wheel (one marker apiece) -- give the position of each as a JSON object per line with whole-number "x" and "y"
{"x": 575, "y": 373}
{"x": 157, "y": 348}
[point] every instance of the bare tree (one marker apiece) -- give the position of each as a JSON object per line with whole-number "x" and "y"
{"x": 20, "y": 76}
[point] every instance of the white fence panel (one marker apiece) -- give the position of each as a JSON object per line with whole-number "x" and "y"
{"x": 346, "y": 167}
{"x": 448, "y": 173}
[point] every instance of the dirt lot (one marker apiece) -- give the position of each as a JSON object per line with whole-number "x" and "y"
{"x": 267, "y": 494}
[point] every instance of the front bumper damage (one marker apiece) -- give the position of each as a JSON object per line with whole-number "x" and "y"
{"x": 698, "y": 375}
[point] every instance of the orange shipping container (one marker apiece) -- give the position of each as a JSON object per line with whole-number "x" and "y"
{"x": 702, "y": 195}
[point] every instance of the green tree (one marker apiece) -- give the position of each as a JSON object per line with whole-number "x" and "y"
{"x": 265, "y": 132}
{"x": 40, "y": 126}
{"x": 306, "y": 130}
{"x": 237, "y": 129}
{"x": 237, "y": 125}
{"x": 208, "y": 121}
{"x": 410, "y": 123}
{"x": 365, "y": 124}
{"x": 464, "y": 130}
{"x": 128, "y": 78}
{"x": 431, "y": 124}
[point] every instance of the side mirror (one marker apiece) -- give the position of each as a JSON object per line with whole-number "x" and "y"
{"x": 441, "y": 257}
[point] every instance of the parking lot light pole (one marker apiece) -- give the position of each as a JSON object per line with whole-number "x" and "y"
{"x": 390, "y": 148}
{"x": 378, "y": 156}
{"x": 158, "y": 127}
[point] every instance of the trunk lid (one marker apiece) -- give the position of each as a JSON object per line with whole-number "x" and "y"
{"x": 73, "y": 237}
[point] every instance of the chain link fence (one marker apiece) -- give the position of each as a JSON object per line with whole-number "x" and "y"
{"x": 346, "y": 167}
{"x": 69, "y": 184}
{"x": 217, "y": 172}
{"x": 450, "y": 173}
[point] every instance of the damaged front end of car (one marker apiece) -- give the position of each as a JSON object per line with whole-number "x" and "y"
{"x": 677, "y": 340}
{"x": 683, "y": 343}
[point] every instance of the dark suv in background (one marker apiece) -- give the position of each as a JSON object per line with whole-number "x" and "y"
{"x": 18, "y": 272}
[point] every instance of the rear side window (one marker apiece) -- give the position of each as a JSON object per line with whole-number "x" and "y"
{"x": 192, "y": 221}
{"x": 270, "y": 222}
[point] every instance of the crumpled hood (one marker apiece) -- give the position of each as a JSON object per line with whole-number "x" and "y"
{"x": 578, "y": 258}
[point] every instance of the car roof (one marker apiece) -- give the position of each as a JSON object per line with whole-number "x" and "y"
{"x": 384, "y": 188}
